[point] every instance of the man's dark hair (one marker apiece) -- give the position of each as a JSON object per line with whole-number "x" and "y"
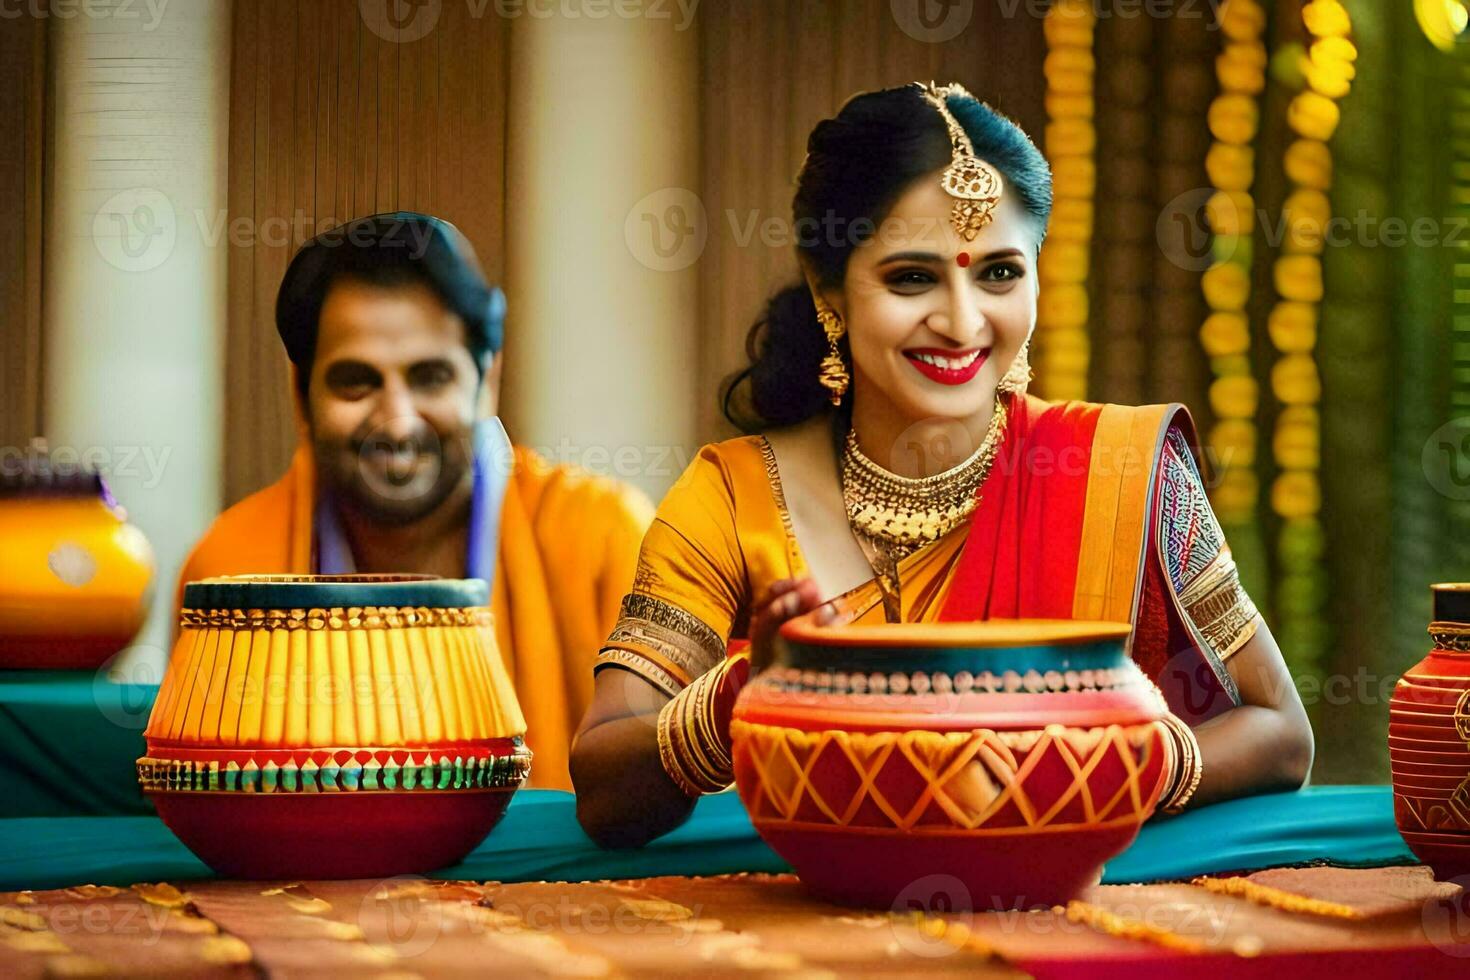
{"x": 387, "y": 250}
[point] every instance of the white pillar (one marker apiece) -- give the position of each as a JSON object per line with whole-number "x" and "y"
{"x": 134, "y": 286}
{"x": 603, "y": 230}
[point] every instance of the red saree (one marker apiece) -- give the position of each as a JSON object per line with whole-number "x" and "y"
{"x": 1080, "y": 519}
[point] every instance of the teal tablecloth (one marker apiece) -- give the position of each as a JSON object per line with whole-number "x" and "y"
{"x": 68, "y": 744}
{"x": 539, "y": 839}
{"x": 72, "y": 813}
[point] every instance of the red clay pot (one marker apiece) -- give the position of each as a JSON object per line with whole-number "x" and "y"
{"x": 984, "y": 765}
{"x": 1429, "y": 716}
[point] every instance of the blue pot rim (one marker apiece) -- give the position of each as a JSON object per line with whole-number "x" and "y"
{"x": 335, "y": 591}
{"x": 1042, "y": 657}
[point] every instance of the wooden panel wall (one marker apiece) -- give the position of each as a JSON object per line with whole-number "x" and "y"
{"x": 1155, "y": 81}
{"x": 770, "y": 72}
{"x": 330, "y": 120}
{"x": 22, "y": 104}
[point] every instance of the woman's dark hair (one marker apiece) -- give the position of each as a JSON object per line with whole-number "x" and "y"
{"x": 858, "y": 164}
{"x": 388, "y": 250}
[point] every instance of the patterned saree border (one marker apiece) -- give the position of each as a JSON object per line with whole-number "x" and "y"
{"x": 1125, "y": 450}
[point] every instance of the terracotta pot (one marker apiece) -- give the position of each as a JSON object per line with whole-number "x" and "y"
{"x": 74, "y": 574}
{"x": 1414, "y": 812}
{"x": 1428, "y": 699}
{"x": 1442, "y": 839}
{"x": 1423, "y": 733}
{"x": 999, "y": 764}
{"x": 1447, "y": 854}
{"x": 1451, "y": 758}
{"x": 1427, "y": 787}
{"x": 334, "y": 726}
{"x": 1423, "y": 715}
{"x": 1453, "y": 745}
{"x": 1430, "y": 713}
{"x": 1456, "y": 745}
{"x": 1409, "y": 767}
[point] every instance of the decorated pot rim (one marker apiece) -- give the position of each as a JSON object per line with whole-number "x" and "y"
{"x": 434, "y": 772}
{"x": 990, "y": 634}
{"x": 823, "y": 677}
{"x": 39, "y": 477}
{"x": 501, "y": 745}
{"x": 995, "y": 647}
{"x": 287, "y": 592}
{"x": 1451, "y": 602}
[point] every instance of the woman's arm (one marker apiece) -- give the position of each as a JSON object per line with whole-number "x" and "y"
{"x": 1265, "y": 745}
{"x": 625, "y": 798}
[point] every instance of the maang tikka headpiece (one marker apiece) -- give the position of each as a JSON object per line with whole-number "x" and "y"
{"x": 974, "y": 184}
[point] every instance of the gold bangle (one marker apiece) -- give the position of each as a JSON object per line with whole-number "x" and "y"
{"x": 666, "y": 752}
{"x": 690, "y": 749}
{"x": 704, "y": 768}
{"x": 1172, "y": 767}
{"x": 1192, "y": 768}
{"x": 710, "y": 735}
{"x": 715, "y": 766}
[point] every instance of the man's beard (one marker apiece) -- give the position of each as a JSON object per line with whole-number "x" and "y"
{"x": 393, "y": 482}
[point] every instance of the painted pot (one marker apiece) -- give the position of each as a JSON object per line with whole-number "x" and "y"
{"x": 334, "y": 726}
{"x": 1459, "y": 758}
{"x": 999, "y": 764}
{"x": 74, "y": 574}
{"x": 1430, "y": 713}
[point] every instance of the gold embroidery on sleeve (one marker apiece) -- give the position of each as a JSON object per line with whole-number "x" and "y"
{"x": 1201, "y": 570}
{"x": 1219, "y": 606}
{"x": 661, "y": 642}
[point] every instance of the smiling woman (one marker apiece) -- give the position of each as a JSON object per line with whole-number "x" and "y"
{"x": 897, "y": 471}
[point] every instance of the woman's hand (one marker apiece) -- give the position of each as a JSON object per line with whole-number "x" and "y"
{"x": 787, "y": 598}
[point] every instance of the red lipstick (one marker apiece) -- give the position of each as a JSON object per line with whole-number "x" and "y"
{"x": 948, "y": 367}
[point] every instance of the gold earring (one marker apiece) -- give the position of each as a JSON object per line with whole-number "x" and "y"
{"x": 1018, "y": 375}
{"x": 833, "y": 373}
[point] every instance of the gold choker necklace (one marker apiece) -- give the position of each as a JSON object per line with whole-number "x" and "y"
{"x": 901, "y": 514}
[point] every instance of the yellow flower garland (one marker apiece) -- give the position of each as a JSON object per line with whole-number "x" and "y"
{"x": 1233, "y": 119}
{"x": 1326, "y": 71}
{"x": 1063, "y": 347}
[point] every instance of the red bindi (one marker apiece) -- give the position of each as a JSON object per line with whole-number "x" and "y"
{"x": 963, "y": 260}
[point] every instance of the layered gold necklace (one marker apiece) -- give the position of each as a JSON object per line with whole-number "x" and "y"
{"x": 893, "y": 516}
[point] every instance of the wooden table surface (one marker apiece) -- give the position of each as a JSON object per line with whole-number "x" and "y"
{"x": 1292, "y": 922}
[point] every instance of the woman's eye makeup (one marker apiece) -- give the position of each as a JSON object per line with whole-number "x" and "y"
{"x": 1002, "y": 272}
{"x": 910, "y": 278}
{"x": 915, "y": 278}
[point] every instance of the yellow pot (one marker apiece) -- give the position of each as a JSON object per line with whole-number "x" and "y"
{"x": 334, "y": 726}
{"x": 74, "y": 575}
